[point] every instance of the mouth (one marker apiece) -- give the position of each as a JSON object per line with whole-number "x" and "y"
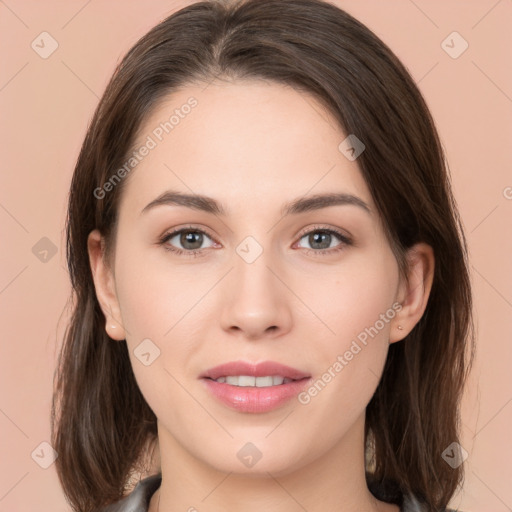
{"x": 254, "y": 388}
{"x": 251, "y": 381}
{"x": 245, "y": 371}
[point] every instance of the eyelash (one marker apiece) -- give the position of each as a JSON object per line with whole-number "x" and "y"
{"x": 345, "y": 241}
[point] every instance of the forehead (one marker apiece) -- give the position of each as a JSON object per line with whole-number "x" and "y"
{"x": 240, "y": 142}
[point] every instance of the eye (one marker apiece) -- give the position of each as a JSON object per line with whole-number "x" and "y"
{"x": 321, "y": 240}
{"x": 191, "y": 241}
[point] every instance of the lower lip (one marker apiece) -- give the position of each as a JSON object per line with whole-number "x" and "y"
{"x": 253, "y": 399}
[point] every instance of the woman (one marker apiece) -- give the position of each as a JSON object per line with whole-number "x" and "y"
{"x": 272, "y": 302}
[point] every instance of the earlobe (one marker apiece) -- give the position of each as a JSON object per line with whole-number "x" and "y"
{"x": 414, "y": 292}
{"x": 104, "y": 285}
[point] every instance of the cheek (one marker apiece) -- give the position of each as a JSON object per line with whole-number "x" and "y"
{"x": 352, "y": 299}
{"x": 153, "y": 297}
{"x": 154, "y": 302}
{"x": 357, "y": 308}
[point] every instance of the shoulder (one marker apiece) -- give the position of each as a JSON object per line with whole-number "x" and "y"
{"x": 138, "y": 499}
{"x": 390, "y": 492}
{"x": 412, "y": 504}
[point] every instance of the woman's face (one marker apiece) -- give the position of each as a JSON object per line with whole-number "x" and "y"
{"x": 270, "y": 282}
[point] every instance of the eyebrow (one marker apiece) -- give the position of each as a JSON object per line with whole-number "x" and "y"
{"x": 299, "y": 205}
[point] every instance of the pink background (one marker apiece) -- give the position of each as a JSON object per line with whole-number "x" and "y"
{"x": 45, "y": 107}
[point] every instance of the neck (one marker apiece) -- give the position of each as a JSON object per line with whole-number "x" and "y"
{"x": 334, "y": 481}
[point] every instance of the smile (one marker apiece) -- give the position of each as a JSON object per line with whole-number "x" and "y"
{"x": 251, "y": 381}
{"x": 254, "y": 387}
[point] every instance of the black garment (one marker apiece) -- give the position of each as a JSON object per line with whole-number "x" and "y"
{"x": 138, "y": 500}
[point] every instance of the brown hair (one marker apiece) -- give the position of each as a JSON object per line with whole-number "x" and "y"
{"x": 101, "y": 424}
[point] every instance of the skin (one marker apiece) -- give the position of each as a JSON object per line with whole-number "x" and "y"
{"x": 254, "y": 146}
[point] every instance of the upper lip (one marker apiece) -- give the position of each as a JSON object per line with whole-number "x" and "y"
{"x": 263, "y": 369}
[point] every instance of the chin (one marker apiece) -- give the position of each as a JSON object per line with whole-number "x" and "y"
{"x": 256, "y": 458}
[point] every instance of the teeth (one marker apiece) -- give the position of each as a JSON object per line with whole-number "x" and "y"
{"x": 249, "y": 381}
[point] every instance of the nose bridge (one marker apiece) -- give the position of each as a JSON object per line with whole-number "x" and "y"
{"x": 256, "y": 301}
{"x": 254, "y": 282}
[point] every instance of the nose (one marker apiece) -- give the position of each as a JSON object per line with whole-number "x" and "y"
{"x": 256, "y": 300}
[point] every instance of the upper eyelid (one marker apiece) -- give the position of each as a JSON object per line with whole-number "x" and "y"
{"x": 173, "y": 232}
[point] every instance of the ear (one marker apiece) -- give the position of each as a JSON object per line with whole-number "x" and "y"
{"x": 105, "y": 285}
{"x": 414, "y": 292}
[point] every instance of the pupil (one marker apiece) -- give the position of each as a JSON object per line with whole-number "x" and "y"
{"x": 320, "y": 235}
{"x": 188, "y": 237}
